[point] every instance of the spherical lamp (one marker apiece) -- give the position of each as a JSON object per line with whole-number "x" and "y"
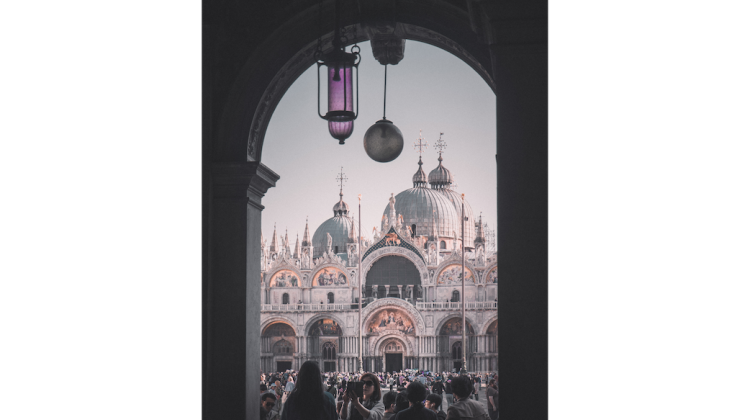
{"x": 383, "y": 141}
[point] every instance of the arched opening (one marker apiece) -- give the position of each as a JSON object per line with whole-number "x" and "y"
{"x": 330, "y": 297}
{"x": 285, "y": 299}
{"x": 224, "y": 148}
{"x": 456, "y": 296}
{"x": 442, "y": 244}
{"x": 392, "y": 271}
{"x": 277, "y": 347}
{"x": 413, "y": 230}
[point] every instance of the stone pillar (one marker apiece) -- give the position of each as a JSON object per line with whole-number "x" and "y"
{"x": 232, "y": 195}
{"x": 387, "y": 290}
{"x": 519, "y": 67}
{"x": 400, "y": 294}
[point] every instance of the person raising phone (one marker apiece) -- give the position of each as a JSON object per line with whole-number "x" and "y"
{"x": 370, "y": 407}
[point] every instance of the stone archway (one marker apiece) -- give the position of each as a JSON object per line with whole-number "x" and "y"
{"x": 246, "y": 46}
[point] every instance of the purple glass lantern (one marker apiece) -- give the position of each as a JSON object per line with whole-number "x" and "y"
{"x": 341, "y": 74}
{"x": 340, "y": 130}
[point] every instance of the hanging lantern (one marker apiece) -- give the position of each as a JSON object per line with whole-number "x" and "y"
{"x": 342, "y": 75}
{"x": 383, "y": 140}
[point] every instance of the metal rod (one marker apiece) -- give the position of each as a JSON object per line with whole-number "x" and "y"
{"x": 463, "y": 289}
{"x": 385, "y": 85}
{"x": 359, "y": 291}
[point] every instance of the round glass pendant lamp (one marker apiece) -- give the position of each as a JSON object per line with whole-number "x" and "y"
{"x": 383, "y": 141}
{"x": 342, "y": 75}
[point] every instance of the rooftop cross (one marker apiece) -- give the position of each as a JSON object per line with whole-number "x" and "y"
{"x": 341, "y": 178}
{"x": 420, "y": 144}
{"x": 441, "y": 145}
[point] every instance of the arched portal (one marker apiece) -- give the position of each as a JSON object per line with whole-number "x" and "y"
{"x": 278, "y": 346}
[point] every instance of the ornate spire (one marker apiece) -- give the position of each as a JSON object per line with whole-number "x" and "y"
{"x": 480, "y": 232}
{"x": 296, "y": 248}
{"x": 420, "y": 178}
{"x": 286, "y": 242}
{"x": 306, "y": 235}
{"x": 274, "y": 240}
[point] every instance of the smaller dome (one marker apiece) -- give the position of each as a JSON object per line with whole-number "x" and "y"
{"x": 440, "y": 177}
{"x": 420, "y": 178}
{"x": 340, "y": 208}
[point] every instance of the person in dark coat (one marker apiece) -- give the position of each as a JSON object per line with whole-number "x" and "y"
{"x": 307, "y": 401}
{"x": 437, "y": 388}
{"x": 433, "y": 402}
{"x": 416, "y": 394}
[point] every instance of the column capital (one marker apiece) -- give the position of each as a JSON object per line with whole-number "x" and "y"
{"x": 249, "y": 179}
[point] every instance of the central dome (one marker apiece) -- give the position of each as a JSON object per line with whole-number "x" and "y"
{"x": 420, "y": 205}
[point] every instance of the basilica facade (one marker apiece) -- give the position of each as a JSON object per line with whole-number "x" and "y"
{"x": 410, "y": 287}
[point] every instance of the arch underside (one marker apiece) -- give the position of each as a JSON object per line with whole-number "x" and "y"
{"x": 305, "y": 58}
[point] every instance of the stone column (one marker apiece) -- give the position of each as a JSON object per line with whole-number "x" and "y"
{"x": 232, "y": 195}
{"x": 387, "y": 290}
{"x": 519, "y": 62}
{"x": 400, "y": 294}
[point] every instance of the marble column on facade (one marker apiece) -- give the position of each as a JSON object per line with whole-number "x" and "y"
{"x": 387, "y": 290}
{"x": 400, "y": 294}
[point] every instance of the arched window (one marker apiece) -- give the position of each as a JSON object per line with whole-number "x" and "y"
{"x": 425, "y": 245}
{"x": 413, "y": 230}
{"x": 456, "y": 350}
{"x": 330, "y": 297}
{"x": 442, "y": 244}
{"x": 456, "y": 296}
{"x": 282, "y": 347}
{"x": 336, "y": 249}
{"x": 329, "y": 351}
{"x": 285, "y": 299}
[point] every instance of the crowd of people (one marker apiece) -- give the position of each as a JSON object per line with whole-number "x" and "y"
{"x": 311, "y": 395}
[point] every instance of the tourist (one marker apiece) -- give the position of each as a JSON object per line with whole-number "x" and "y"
{"x": 370, "y": 408}
{"x": 464, "y": 408}
{"x": 438, "y": 388}
{"x": 492, "y": 399}
{"x": 267, "y": 402}
{"x": 416, "y": 393}
{"x": 402, "y": 402}
{"x": 307, "y": 401}
{"x": 434, "y": 402}
{"x": 389, "y": 402}
{"x": 477, "y": 385}
{"x": 449, "y": 391}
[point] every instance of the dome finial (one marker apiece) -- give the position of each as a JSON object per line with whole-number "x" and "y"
{"x": 420, "y": 178}
{"x": 341, "y": 208}
{"x": 440, "y": 177}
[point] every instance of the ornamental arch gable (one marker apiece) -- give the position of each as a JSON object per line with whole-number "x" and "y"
{"x": 327, "y": 270}
{"x": 490, "y": 275}
{"x": 454, "y": 260}
{"x": 278, "y": 319}
{"x": 376, "y": 344}
{"x": 487, "y": 324}
{"x": 399, "y": 252}
{"x": 319, "y": 317}
{"x": 286, "y": 270}
{"x": 399, "y": 304}
{"x": 451, "y": 315}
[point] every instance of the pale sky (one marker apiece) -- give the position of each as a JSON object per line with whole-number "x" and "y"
{"x": 431, "y": 90}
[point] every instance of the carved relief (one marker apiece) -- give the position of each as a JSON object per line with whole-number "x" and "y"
{"x": 451, "y": 274}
